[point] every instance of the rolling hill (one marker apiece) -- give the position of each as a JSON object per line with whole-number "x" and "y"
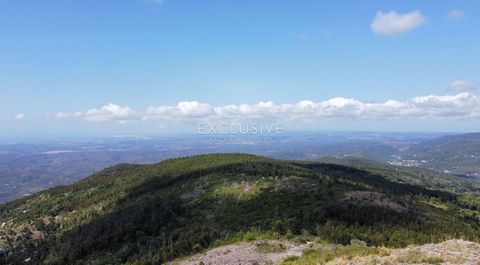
{"x": 458, "y": 154}
{"x": 153, "y": 214}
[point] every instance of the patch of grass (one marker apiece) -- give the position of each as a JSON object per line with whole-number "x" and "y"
{"x": 270, "y": 247}
{"x": 291, "y": 259}
{"x": 436, "y": 203}
{"x": 242, "y": 188}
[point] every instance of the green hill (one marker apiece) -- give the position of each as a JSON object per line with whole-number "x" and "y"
{"x": 151, "y": 214}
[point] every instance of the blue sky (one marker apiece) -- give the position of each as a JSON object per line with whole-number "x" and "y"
{"x": 63, "y": 61}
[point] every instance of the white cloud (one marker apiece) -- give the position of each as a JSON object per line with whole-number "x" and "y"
{"x": 462, "y": 105}
{"x": 20, "y": 116}
{"x": 62, "y": 115}
{"x": 184, "y": 109}
{"x": 455, "y": 13}
{"x": 107, "y": 113}
{"x": 194, "y": 109}
{"x": 394, "y": 24}
{"x": 462, "y": 85}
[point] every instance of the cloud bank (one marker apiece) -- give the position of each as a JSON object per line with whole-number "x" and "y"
{"x": 394, "y": 24}
{"x": 461, "y": 106}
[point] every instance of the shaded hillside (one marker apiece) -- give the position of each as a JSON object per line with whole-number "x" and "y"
{"x": 150, "y": 214}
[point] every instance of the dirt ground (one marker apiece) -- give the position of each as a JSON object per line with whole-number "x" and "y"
{"x": 245, "y": 254}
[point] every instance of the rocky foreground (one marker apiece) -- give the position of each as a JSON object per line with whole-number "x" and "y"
{"x": 458, "y": 252}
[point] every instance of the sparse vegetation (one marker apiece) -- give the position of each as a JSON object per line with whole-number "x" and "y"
{"x": 324, "y": 253}
{"x": 416, "y": 256}
{"x": 269, "y": 247}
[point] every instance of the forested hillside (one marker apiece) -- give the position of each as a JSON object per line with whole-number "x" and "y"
{"x": 151, "y": 214}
